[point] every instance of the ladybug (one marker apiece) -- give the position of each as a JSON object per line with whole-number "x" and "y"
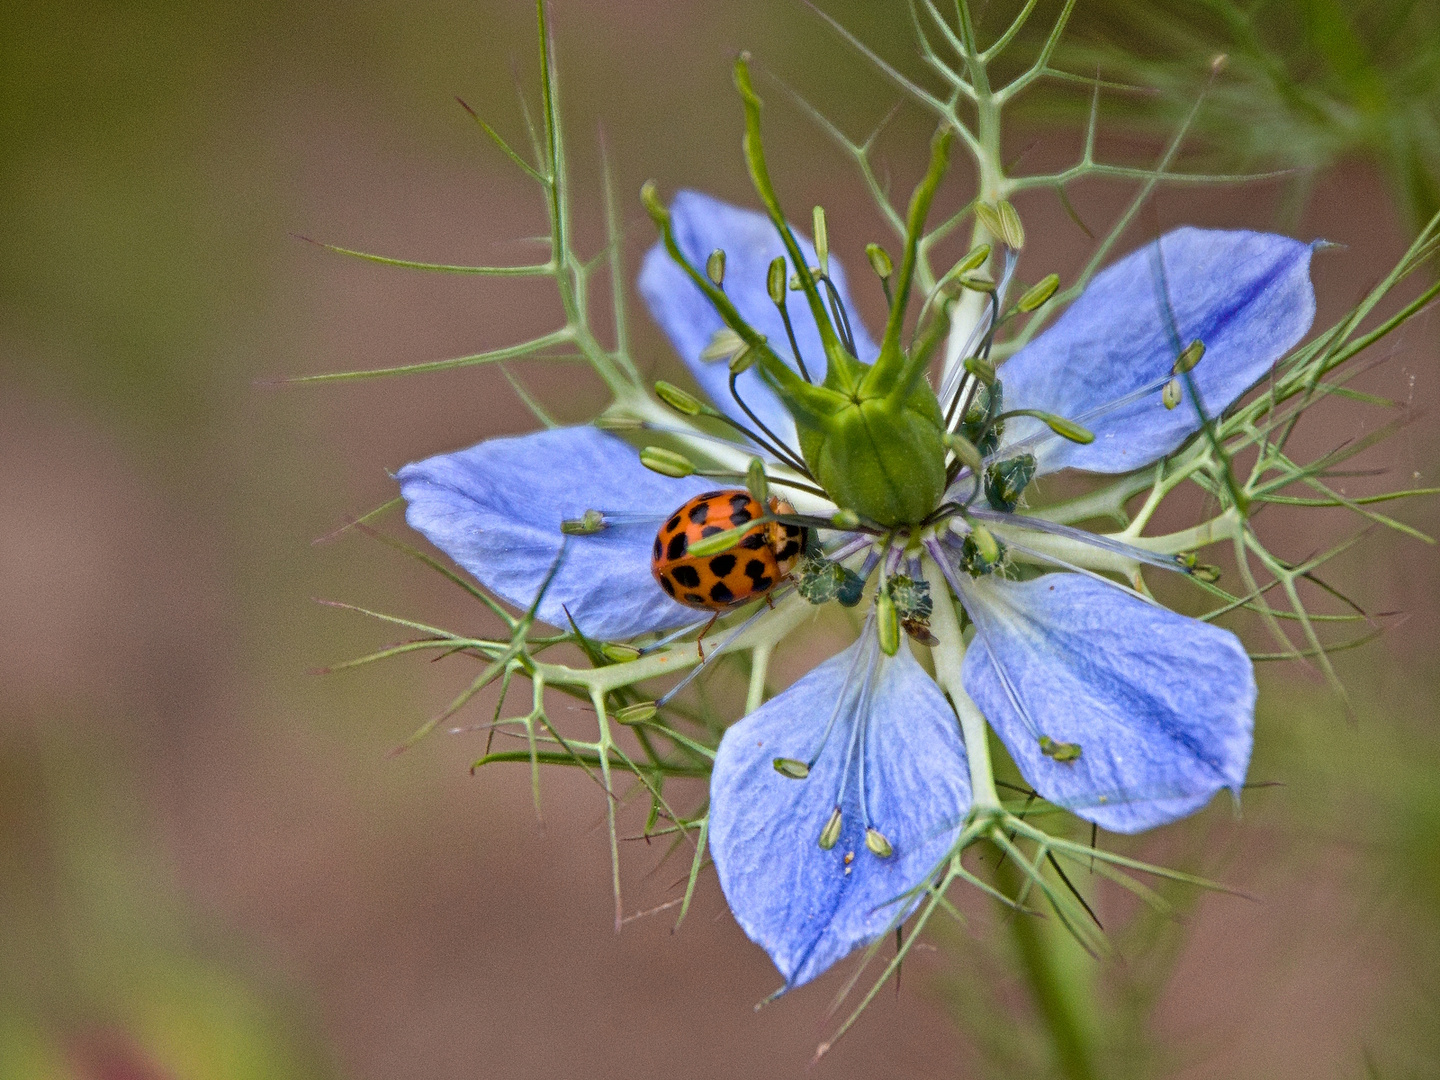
{"x": 761, "y": 560}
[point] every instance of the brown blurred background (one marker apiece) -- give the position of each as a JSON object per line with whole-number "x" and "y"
{"x": 210, "y": 867}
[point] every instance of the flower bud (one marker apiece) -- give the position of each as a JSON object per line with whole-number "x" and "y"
{"x": 876, "y": 842}
{"x": 1038, "y": 293}
{"x": 790, "y": 768}
{"x": 715, "y": 266}
{"x": 880, "y": 261}
{"x": 637, "y": 713}
{"x": 756, "y": 482}
{"x": 822, "y": 241}
{"x": 666, "y": 462}
{"x": 831, "y": 833}
{"x": 686, "y": 404}
{"x": 775, "y": 280}
{"x": 592, "y": 521}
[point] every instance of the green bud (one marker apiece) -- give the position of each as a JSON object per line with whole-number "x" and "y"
{"x": 822, "y": 241}
{"x": 880, "y": 261}
{"x": 876, "y": 842}
{"x": 1038, "y": 293}
{"x": 1171, "y": 394}
{"x": 1068, "y": 752}
{"x": 1010, "y": 228}
{"x": 965, "y": 451}
{"x": 1006, "y": 481}
{"x": 1188, "y": 357}
{"x": 982, "y": 367}
{"x": 775, "y": 280}
{"x": 789, "y": 767}
{"x": 682, "y": 402}
{"x": 724, "y": 344}
{"x": 619, "y": 654}
{"x": 637, "y": 713}
{"x": 666, "y": 462}
{"x": 756, "y": 482}
{"x": 588, "y": 523}
{"x": 721, "y": 541}
{"x": 715, "y": 266}
{"x": 831, "y": 833}
{"x": 650, "y": 199}
{"x": 845, "y": 519}
{"x": 887, "y": 623}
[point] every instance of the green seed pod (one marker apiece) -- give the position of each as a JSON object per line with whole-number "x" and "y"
{"x": 790, "y": 768}
{"x": 831, "y": 833}
{"x": 887, "y": 623}
{"x": 685, "y": 403}
{"x": 637, "y": 713}
{"x": 666, "y": 462}
{"x": 1171, "y": 394}
{"x": 1006, "y": 481}
{"x": 876, "y": 842}
{"x": 715, "y": 266}
{"x": 1038, "y": 293}
{"x": 756, "y": 482}
{"x": 775, "y": 280}
{"x": 588, "y": 523}
{"x": 880, "y": 261}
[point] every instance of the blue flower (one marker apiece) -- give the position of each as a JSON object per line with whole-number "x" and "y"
{"x": 834, "y": 803}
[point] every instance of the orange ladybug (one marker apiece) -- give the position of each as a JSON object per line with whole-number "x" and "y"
{"x": 761, "y": 560}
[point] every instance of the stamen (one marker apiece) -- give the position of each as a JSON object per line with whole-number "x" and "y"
{"x": 777, "y": 445}
{"x": 1104, "y": 543}
{"x": 775, "y": 285}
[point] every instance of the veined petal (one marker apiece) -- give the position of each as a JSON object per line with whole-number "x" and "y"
{"x": 1162, "y": 706}
{"x": 750, "y": 242}
{"x": 496, "y": 509}
{"x": 1246, "y": 295}
{"x": 806, "y": 906}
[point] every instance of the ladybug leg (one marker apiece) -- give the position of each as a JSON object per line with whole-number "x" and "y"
{"x": 699, "y": 646}
{"x": 770, "y": 600}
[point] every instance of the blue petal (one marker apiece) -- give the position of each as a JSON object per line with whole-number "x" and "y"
{"x": 790, "y": 896}
{"x": 1162, "y": 706}
{"x": 750, "y": 242}
{"x": 1104, "y": 363}
{"x": 496, "y": 509}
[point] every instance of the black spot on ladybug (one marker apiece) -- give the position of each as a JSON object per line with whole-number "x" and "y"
{"x": 792, "y": 530}
{"x": 699, "y": 512}
{"x": 721, "y": 565}
{"x": 712, "y": 495}
{"x": 687, "y": 576}
{"x": 710, "y": 530}
{"x": 791, "y": 549}
{"x": 720, "y": 593}
{"x": 673, "y": 523}
{"x": 739, "y": 501}
{"x": 677, "y": 547}
{"x": 754, "y": 541}
{"x": 665, "y": 584}
{"x": 659, "y": 548}
{"x": 755, "y": 569}
{"x": 740, "y": 517}
{"x": 694, "y": 598}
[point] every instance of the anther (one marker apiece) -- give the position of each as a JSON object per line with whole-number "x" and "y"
{"x": 1038, "y": 293}
{"x": 982, "y": 367}
{"x": 775, "y": 280}
{"x": 880, "y": 261}
{"x": 619, "y": 654}
{"x": 831, "y": 833}
{"x": 666, "y": 462}
{"x": 887, "y": 623}
{"x": 637, "y": 713}
{"x": 1171, "y": 394}
{"x": 790, "y": 768}
{"x": 685, "y": 403}
{"x": 876, "y": 842}
{"x": 724, "y": 344}
{"x": 588, "y": 523}
{"x": 966, "y": 452}
{"x": 715, "y": 266}
{"x": 1189, "y": 357}
{"x": 822, "y": 241}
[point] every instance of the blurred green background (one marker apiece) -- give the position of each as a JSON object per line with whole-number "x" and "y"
{"x": 209, "y": 865}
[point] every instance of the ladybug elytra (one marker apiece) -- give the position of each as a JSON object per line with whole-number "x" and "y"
{"x": 762, "y": 559}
